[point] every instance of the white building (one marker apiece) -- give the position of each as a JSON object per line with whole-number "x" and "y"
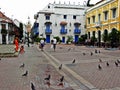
{"x": 61, "y": 20}
{"x": 6, "y": 29}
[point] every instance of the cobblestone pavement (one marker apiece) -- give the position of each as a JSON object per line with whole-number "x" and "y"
{"x": 82, "y": 75}
{"x": 86, "y": 66}
{"x": 38, "y": 68}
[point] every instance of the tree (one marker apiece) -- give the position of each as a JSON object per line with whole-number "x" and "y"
{"x": 82, "y": 39}
{"x": 21, "y": 31}
{"x": 105, "y": 36}
{"x": 114, "y": 37}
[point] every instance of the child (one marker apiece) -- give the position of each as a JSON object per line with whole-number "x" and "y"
{"x": 22, "y": 49}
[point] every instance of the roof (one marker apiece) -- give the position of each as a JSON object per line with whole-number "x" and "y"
{"x": 4, "y": 18}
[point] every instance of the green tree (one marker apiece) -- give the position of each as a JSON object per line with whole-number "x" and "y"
{"x": 114, "y": 37}
{"x": 105, "y": 36}
{"x": 82, "y": 38}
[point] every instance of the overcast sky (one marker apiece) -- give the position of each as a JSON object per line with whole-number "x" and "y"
{"x": 21, "y": 9}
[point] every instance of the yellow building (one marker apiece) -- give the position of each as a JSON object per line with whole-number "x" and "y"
{"x": 103, "y": 17}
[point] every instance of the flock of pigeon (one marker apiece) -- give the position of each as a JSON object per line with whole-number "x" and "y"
{"x": 117, "y": 62}
{"x": 46, "y": 79}
{"x": 25, "y": 75}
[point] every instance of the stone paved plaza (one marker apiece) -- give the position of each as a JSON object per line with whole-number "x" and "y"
{"x": 81, "y": 75}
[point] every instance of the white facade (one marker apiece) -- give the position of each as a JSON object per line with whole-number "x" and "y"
{"x": 61, "y": 17}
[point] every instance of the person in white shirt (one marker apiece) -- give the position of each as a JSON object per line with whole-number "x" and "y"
{"x": 42, "y": 44}
{"x": 54, "y": 43}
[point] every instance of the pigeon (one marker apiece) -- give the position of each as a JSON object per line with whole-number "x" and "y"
{"x": 99, "y": 67}
{"x": 100, "y": 60}
{"x": 118, "y": 61}
{"x": 84, "y": 54}
{"x": 25, "y": 74}
{"x": 107, "y": 63}
{"x": 91, "y": 53}
{"x": 61, "y": 79}
{"x": 32, "y": 86}
{"x": 95, "y": 50}
{"x": 116, "y": 64}
{"x": 48, "y": 78}
{"x": 69, "y": 49}
{"x": 61, "y": 48}
{"x": 73, "y": 61}
{"x": 21, "y": 66}
{"x": 60, "y": 67}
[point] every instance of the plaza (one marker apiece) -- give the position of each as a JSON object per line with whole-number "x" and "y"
{"x": 81, "y": 75}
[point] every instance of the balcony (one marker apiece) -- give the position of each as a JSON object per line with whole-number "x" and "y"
{"x": 63, "y": 31}
{"x": 98, "y": 24}
{"x": 48, "y": 31}
{"x": 77, "y": 31}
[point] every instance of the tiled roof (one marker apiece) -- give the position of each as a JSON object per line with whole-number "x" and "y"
{"x": 5, "y": 18}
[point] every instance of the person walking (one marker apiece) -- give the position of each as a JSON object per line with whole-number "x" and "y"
{"x": 42, "y": 43}
{"x": 54, "y": 43}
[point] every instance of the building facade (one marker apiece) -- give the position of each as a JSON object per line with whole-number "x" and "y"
{"x": 102, "y": 18}
{"x": 8, "y": 29}
{"x": 61, "y": 20}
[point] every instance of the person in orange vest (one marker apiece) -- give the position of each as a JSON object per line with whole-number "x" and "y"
{"x": 16, "y": 44}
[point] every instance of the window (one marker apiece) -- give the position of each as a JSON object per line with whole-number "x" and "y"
{"x": 93, "y": 17}
{"x": 47, "y": 17}
{"x": 114, "y": 13}
{"x": 88, "y": 20}
{"x": 106, "y": 15}
{"x": 99, "y": 17}
{"x": 74, "y": 17}
{"x": 65, "y": 16}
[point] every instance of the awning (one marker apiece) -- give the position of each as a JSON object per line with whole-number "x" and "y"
{"x": 77, "y": 23}
{"x": 48, "y": 23}
{"x": 63, "y": 23}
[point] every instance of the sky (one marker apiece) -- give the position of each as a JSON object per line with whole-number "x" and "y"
{"x": 22, "y": 9}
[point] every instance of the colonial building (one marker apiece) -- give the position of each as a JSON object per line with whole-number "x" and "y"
{"x": 61, "y": 20}
{"x": 8, "y": 30}
{"x": 103, "y": 18}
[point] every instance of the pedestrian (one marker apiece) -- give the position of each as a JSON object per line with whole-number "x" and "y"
{"x": 16, "y": 42}
{"x": 51, "y": 44}
{"x": 42, "y": 43}
{"x": 22, "y": 48}
{"x": 54, "y": 43}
